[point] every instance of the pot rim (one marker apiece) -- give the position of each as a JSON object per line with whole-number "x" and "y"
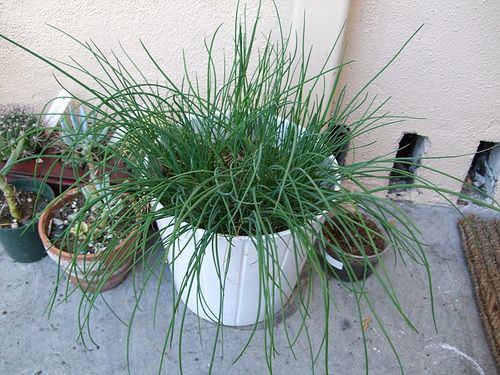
{"x": 47, "y": 215}
{"x": 366, "y": 257}
{"x": 157, "y": 205}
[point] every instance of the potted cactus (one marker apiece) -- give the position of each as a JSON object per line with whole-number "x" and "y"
{"x": 47, "y": 166}
{"x": 21, "y": 200}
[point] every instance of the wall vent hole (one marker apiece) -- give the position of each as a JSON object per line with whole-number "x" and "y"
{"x": 410, "y": 151}
{"x": 481, "y": 180}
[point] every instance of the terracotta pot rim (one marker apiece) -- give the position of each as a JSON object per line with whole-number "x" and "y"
{"x": 47, "y": 215}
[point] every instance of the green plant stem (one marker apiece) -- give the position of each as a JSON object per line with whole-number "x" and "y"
{"x": 8, "y": 190}
{"x": 10, "y": 197}
{"x": 14, "y": 155}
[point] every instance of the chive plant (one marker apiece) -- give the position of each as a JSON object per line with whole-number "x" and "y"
{"x": 242, "y": 153}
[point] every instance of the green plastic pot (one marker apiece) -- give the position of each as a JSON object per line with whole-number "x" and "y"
{"x": 23, "y": 244}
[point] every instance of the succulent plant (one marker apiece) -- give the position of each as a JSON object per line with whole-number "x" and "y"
{"x": 75, "y": 128}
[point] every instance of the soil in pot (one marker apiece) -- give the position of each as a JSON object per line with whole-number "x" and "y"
{"x": 61, "y": 220}
{"x": 27, "y": 201}
{"x": 20, "y": 239}
{"x": 368, "y": 236}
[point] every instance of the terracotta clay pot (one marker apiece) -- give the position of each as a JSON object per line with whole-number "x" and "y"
{"x": 86, "y": 270}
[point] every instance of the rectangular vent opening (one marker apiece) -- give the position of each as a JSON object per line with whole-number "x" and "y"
{"x": 481, "y": 180}
{"x": 410, "y": 151}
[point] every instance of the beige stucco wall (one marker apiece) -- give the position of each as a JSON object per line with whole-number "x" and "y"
{"x": 165, "y": 27}
{"x": 450, "y": 73}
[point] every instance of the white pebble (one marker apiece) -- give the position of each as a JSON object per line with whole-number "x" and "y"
{"x": 57, "y": 222}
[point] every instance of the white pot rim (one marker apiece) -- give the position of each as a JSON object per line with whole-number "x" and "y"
{"x": 158, "y": 206}
{"x": 243, "y": 238}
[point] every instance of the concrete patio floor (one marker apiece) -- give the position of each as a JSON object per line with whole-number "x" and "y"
{"x": 30, "y": 343}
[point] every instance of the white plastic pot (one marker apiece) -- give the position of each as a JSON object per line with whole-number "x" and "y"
{"x": 240, "y": 296}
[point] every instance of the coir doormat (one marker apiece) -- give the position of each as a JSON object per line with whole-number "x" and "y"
{"x": 481, "y": 243}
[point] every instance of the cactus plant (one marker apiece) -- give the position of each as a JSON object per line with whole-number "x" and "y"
{"x": 20, "y": 133}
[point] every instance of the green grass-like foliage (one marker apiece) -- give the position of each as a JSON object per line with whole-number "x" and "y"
{"x": 240, "y": 152}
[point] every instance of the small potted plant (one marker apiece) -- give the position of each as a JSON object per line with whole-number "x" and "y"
{"x": 77, "y": 227}
{"x": 46, "y": 166}
{"x": 85, "y": 244}
{"x": 354, "y": 242}
{"x": 21, "y": 200}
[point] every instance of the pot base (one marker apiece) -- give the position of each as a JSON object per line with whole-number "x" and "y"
{"x": 288, "y": 309}
{"x": 116, "y": 279}
{"x": 358, "y": 272}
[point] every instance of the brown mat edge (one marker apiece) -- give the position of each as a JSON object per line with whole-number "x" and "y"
{"x": 483, "y": 287}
